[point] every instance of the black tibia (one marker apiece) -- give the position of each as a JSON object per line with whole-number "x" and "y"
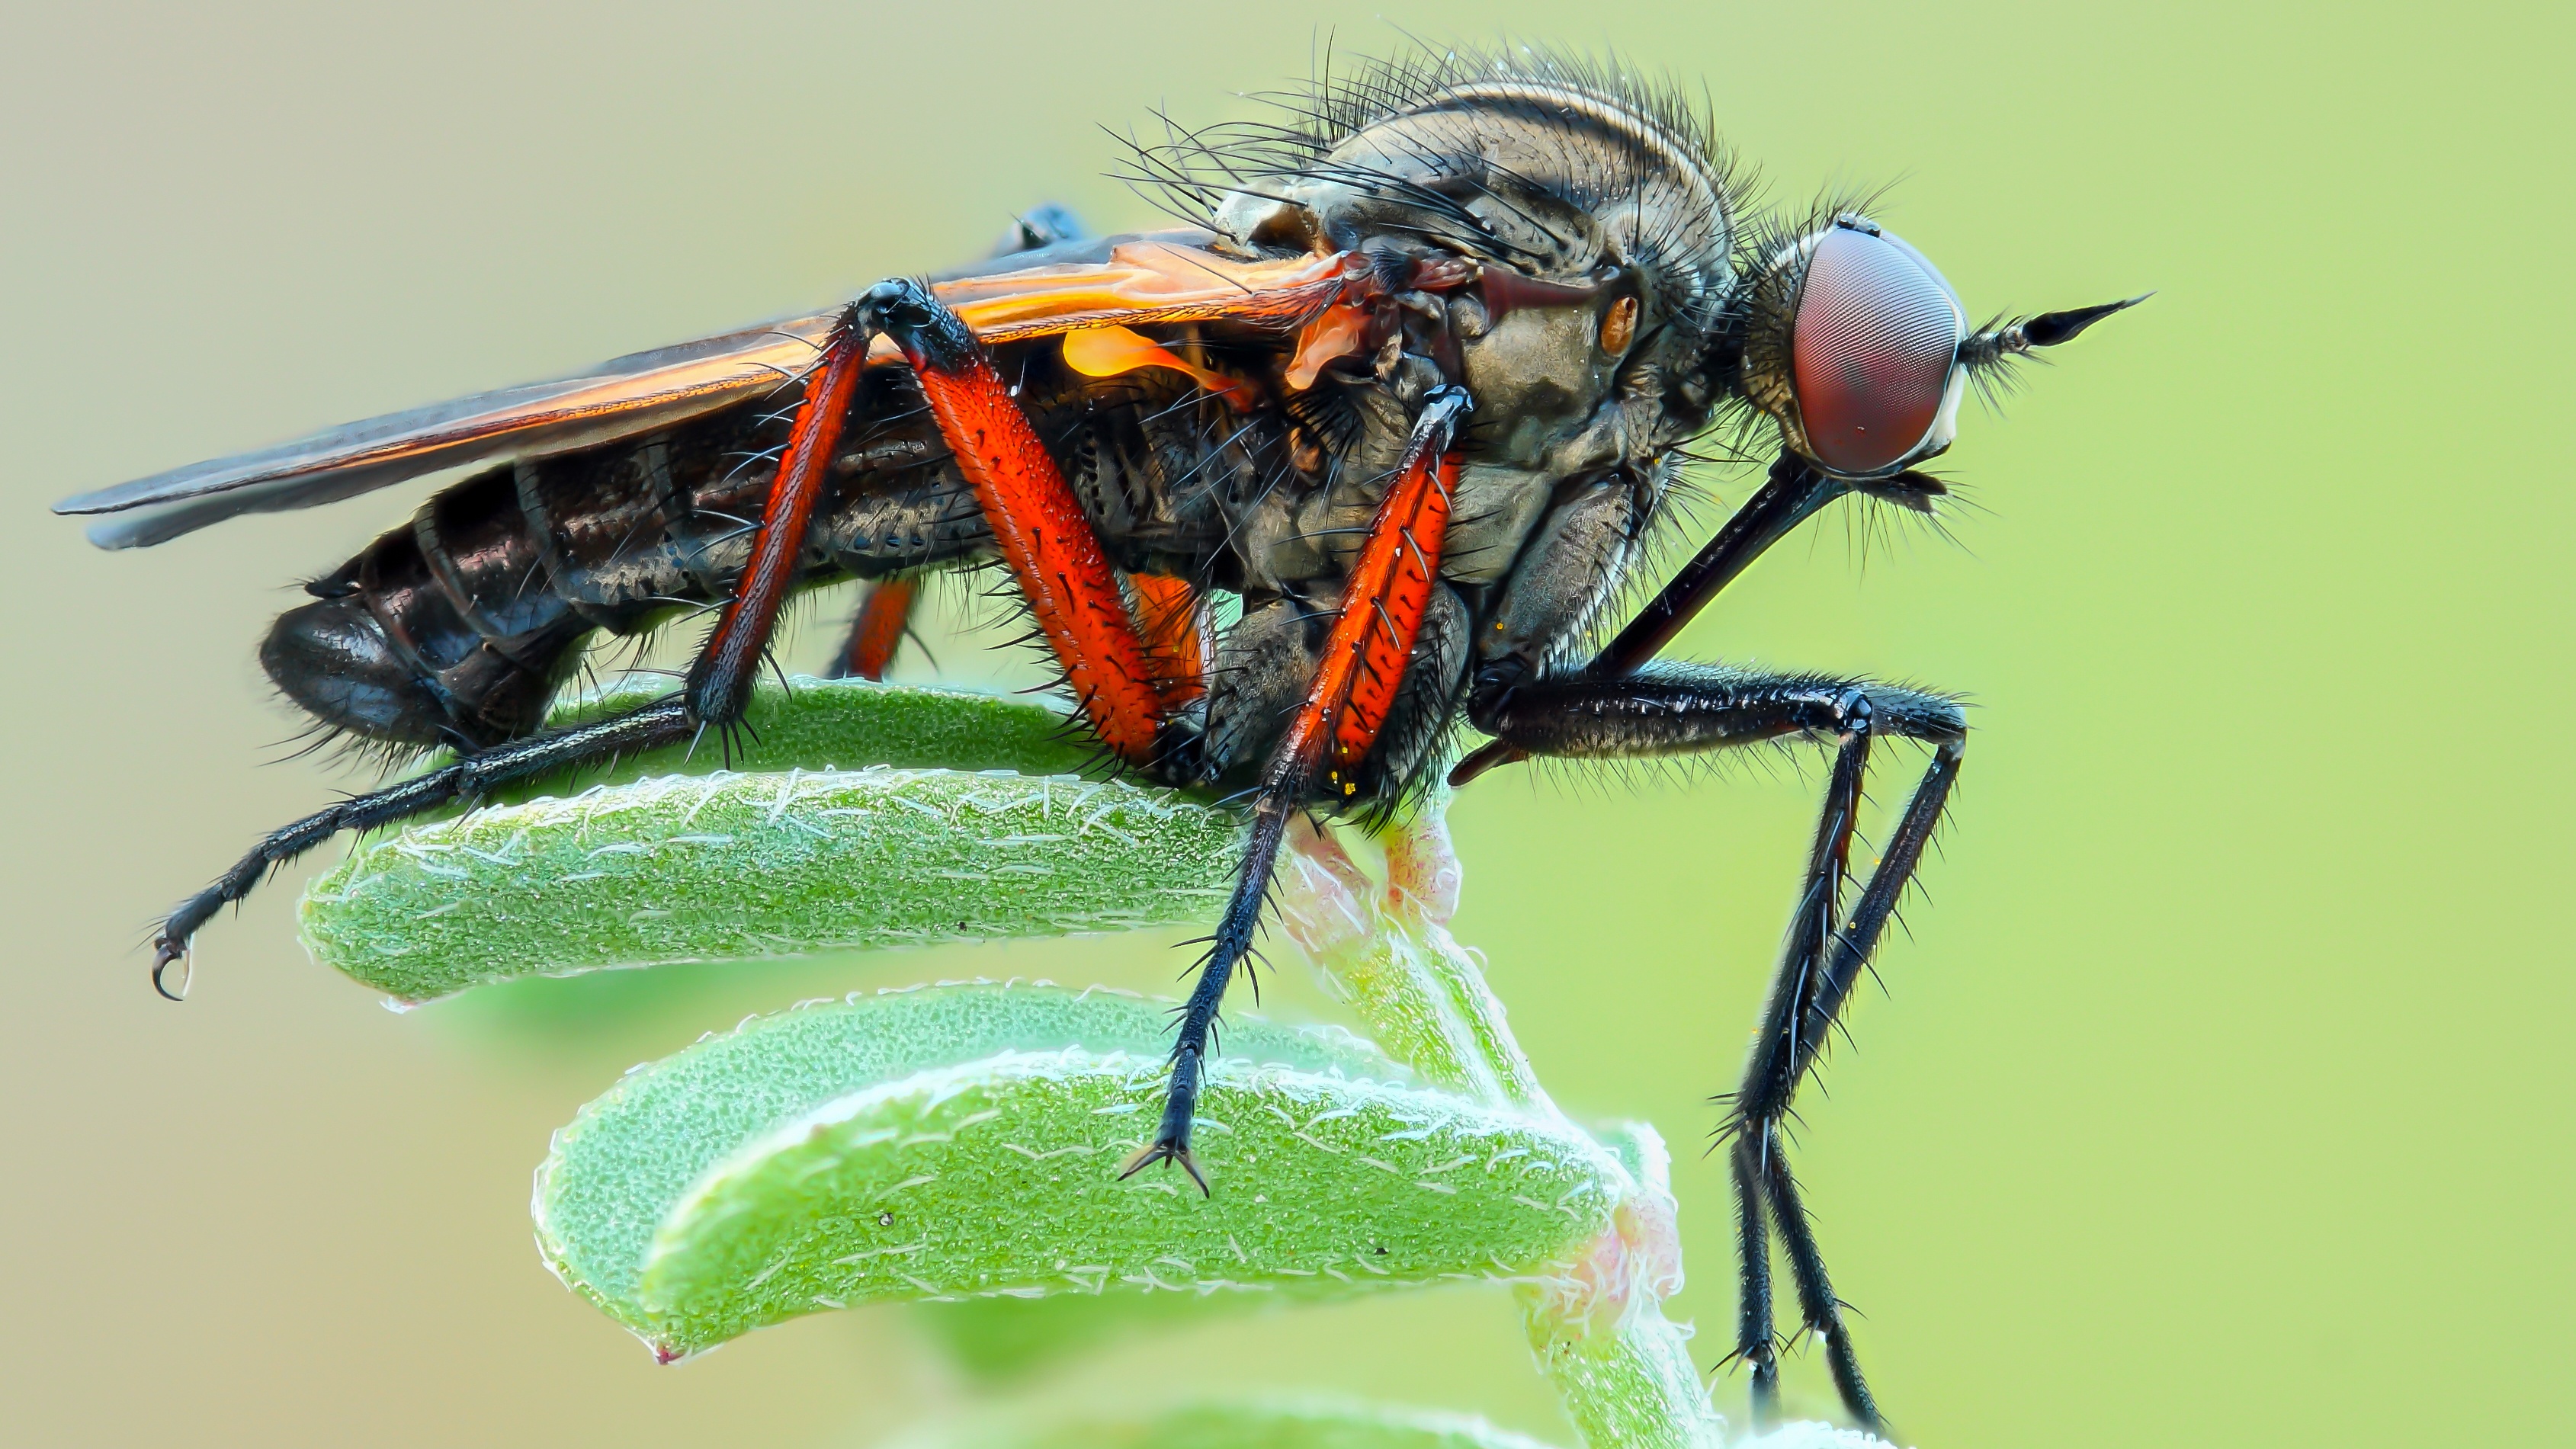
{"x": 1766, "y": 1198}
{"x": 662, "y": 722}
{"x": 1227, "y": 950}
{"x": 1788, "y": 497}
{"x": 1818, "y": 1308}
{"x": 1818, "y": 968}
{"x": 1817, "y": 973}
{"x": 1756, "y": 1346}
{"x": 1670, "y": 709}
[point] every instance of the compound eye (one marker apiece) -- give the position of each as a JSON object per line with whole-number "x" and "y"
{"x": 1871, "y": 350}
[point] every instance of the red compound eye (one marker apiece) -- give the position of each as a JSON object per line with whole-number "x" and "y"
{"x": 1876, "y": 335}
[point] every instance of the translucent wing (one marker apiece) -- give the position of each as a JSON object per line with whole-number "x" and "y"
{"x": 1164, "y": 277}
{"x": 630, "y": 395}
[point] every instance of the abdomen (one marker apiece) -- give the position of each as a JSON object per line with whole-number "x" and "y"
{"x": 459, "y": 628}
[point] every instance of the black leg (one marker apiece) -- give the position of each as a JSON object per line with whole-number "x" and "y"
{"x": 663, "y": 722}
{"x": 1671, "y": 709}
{"x": 1808, "y": 994}
{"x": 1755, "y": 1344}
{"x": 1790, "y": 496}
{"x": 717, "y": 691}
{"x": 1227, "y": 951}
{"x": 1332, "y": 730}
{"x": 1818, "y": 1308}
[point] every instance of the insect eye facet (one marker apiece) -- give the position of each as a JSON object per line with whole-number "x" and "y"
{"x": 1872, "y": 351}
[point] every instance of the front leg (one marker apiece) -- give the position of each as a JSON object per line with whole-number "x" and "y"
{"x": 1789, "y": 497}
{"x": 1674, "y": 709}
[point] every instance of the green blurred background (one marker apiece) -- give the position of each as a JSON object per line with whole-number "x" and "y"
{"x": 2221, "y": 1095}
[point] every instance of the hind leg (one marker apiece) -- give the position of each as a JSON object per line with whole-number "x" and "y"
{"x": 663, "y": 722}
{"x": 717, "y": 691}
{"x": 1038, "y": 528}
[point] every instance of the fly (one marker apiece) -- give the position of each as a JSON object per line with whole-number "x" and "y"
{"x": 1415, "y": 383}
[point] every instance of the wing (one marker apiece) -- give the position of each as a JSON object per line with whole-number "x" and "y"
{"x": 1161, "y": 277}
{"x": 630, "y": 395}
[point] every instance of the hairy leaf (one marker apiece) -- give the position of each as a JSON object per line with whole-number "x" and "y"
{"x": 849, "y": 724}
{"x": 627, "y": 1159}
{"x": 729, "y": 867}
{"x": 996, "y": 1173}
{"x": 998, "y": 1177}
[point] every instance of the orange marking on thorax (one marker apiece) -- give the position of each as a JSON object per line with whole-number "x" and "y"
{"x": 1042, "y": 534}
{"x": 1332, "y": 334}
{"x": 1109, "y": 351}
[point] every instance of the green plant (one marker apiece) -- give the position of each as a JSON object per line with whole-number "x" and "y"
{"x": 956, "y": 1144}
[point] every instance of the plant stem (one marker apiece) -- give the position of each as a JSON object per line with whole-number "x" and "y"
{"x": 1623, "y": 1371}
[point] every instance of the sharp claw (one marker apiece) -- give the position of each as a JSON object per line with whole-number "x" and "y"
{"x": 165, "y": 954}
{"x": 1166, "y": 1152}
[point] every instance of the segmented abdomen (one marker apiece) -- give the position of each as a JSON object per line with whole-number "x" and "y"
{"x": 459, "y": 628}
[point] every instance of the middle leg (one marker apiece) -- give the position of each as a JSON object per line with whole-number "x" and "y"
{"x": 1329, "y": 736}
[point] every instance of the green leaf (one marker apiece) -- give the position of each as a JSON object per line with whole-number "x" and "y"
{"x": 996, "y": 1173}
{"x": 848, "y": 724}
{"x": 729, "y": 867}
{"x": 1289, "y": 1424}
{"x": 628, "y": 1158}
{"x": 998, "y": 1177}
